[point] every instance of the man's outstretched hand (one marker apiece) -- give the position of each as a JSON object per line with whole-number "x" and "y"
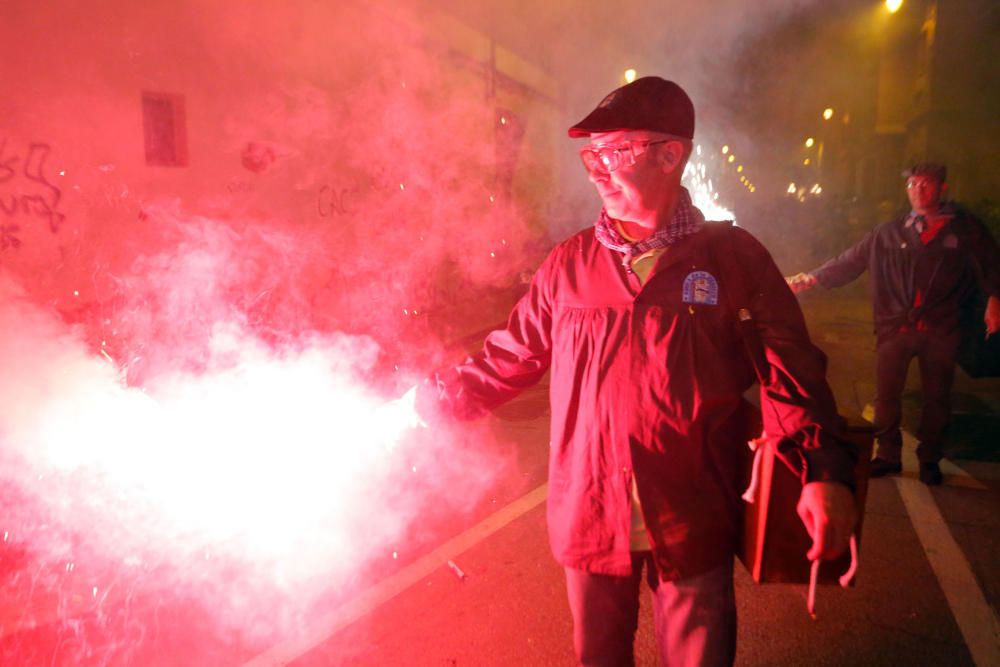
{"x": 828, "y": 512}
{"x": 394, "y": 418}
{"x": 800, "y": 282}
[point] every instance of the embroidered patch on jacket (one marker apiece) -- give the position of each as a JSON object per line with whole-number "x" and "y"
{"x": 701, "y": 287}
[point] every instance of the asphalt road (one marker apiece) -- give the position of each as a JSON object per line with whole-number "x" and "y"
{"x": 926, "y": 592}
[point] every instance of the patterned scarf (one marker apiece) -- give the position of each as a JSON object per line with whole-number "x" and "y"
{"x": 687, "y": 220}
{"x": 927, "y": 227}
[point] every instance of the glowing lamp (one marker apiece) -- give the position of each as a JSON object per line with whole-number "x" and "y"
{"x": 827, "y": 113}
{"x": 732, "y": 158}
{"x": 629, "y": 75}
{"x": 739, "y": 169}
{"x": 806, "y": 162}
{"x": 809, "y": 142}
{"x": 725, "y": 149}
{"x": 893, "y": 5}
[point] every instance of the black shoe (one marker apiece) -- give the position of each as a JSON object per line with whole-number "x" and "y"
{"x": 930, "y": 474}
{"x": 881, "y": 468}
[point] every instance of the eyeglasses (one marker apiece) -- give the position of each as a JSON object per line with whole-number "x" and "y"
{"x": 609, "y": 157}
{"x": 920, "y": 181}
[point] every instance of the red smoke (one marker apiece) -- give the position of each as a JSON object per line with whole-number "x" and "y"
{"x": 201, "y": 328}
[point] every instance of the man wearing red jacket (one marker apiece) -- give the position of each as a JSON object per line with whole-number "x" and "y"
{"x": 636, "y": 319}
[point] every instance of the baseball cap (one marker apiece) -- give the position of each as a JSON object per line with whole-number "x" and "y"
{"x": 649, "y": 103}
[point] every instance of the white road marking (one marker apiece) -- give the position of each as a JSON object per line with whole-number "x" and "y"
{"x": 982, "y": 469}
{"x": 976, "y": 619}
{"x": 325, "y": 626}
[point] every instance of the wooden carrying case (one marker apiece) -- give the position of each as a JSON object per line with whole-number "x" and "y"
{"x": 774, "y": 541}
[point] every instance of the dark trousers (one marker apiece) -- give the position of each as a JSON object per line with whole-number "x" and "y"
{"x": 694, "y": 618}
{"x": 936, "y": 354}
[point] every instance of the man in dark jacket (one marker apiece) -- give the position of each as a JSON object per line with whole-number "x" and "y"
{"x": 925, "y": 268}
{"x": 636, "y": 319}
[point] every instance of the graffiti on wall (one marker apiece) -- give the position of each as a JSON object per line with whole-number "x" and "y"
{"x": 26, "y": 192}
{"x": 335, "y": 201}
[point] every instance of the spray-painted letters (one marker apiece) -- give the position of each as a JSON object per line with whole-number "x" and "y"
{"x": 333, "y": 201}
{"x": 26, "y": 192}
{"x": 336, "y": 201}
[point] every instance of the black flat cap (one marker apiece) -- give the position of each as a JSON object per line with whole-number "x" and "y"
{"x": 649, "y": 103}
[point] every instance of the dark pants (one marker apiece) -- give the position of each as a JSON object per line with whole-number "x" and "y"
{"x": 935, "y": 353}
{"x": 694, "y": 618}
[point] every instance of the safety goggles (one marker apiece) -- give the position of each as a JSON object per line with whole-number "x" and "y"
{"x": 609, "y": 157}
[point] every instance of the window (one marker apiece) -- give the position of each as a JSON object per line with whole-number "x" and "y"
{"x": 164, "y": 129}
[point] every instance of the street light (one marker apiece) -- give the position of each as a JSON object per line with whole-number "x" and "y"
{"x": 725, "y": 149}
{"x": 809, "y": 142}
{"x": 893, "y": 5}
{"x": 827, "y": 113}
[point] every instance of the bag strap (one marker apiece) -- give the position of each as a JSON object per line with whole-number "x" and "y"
{"x": 748, "y": 331}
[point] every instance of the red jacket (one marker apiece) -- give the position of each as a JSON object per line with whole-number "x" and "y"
{"x": 648, "y": 380}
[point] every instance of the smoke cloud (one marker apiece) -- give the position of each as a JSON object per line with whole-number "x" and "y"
{"x": 197, "y": 354}
{"x": 198, "y": 363}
